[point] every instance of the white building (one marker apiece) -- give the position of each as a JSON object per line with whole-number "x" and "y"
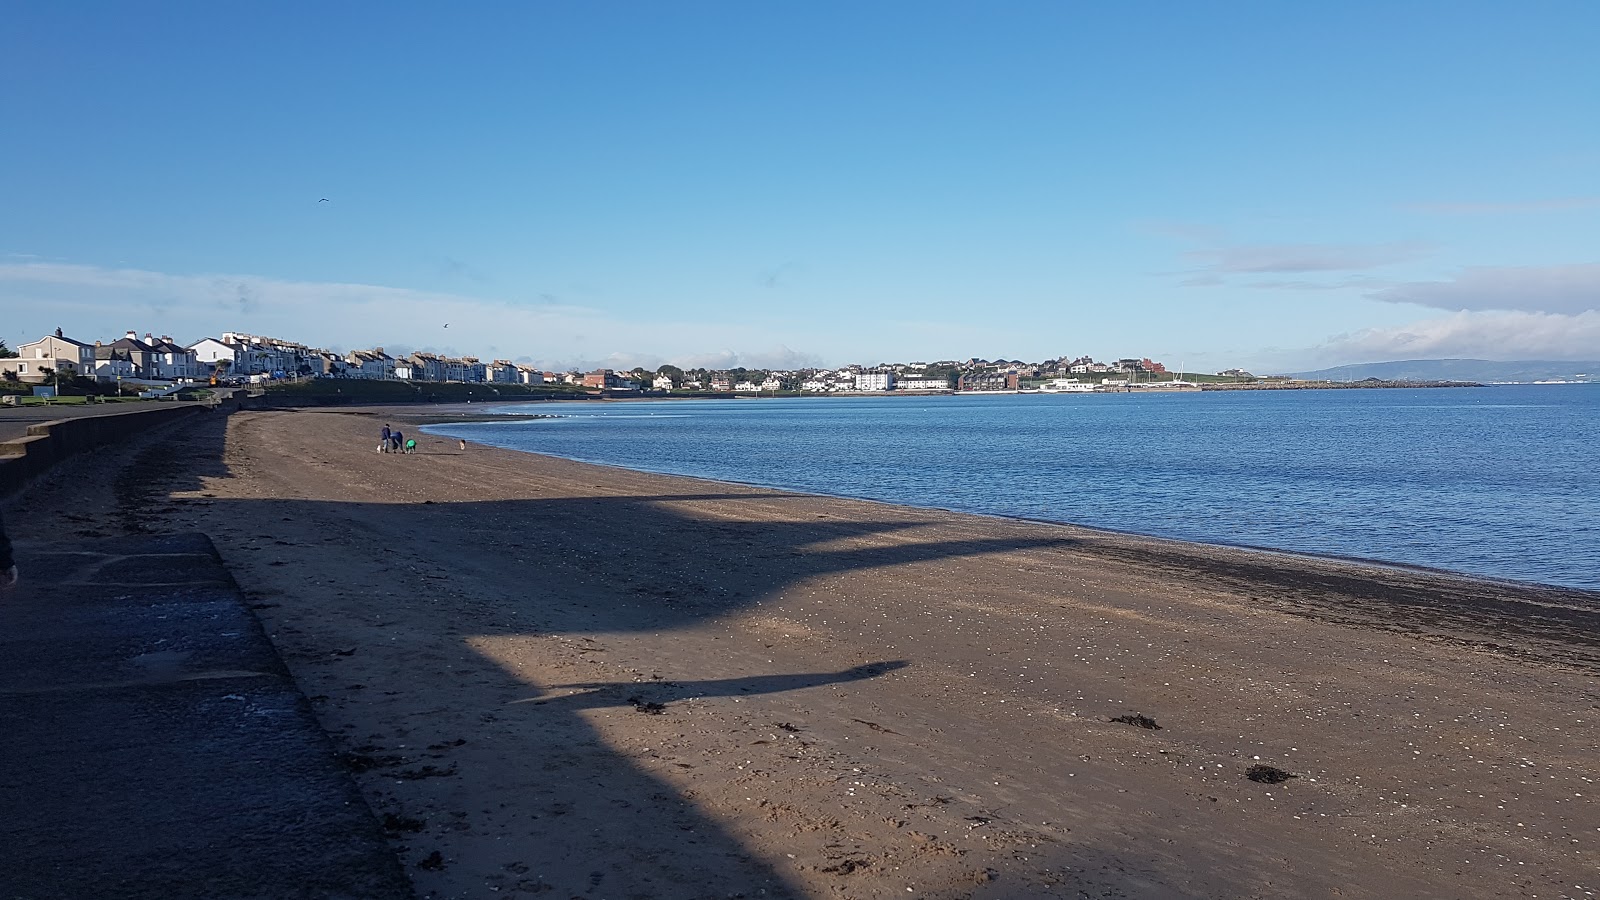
{"x": 114, "y": 363}
{"x": 172, "y": 360}
{"x": 211, "y": 352}
{"x": 875, "y": 381}
{"x": 662, "y": 382}
{"x": 923, "y": 384}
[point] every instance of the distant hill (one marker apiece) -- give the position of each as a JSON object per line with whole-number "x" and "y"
{"x": 1482, "y": 370}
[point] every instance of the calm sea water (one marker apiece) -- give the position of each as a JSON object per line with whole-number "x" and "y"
{"x": 1496, "y": 481}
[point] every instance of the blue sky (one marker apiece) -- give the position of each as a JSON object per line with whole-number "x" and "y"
{"x": 782, "y": 184}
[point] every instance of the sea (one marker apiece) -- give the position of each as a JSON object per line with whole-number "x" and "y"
{"x": 1501, "y": 481}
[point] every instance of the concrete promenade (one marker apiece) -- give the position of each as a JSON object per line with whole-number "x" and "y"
{"x": 14, "y": 420}
{"x": 155, "y": 746}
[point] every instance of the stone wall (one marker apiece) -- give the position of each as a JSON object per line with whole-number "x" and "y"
{"x": 48, "y": 443}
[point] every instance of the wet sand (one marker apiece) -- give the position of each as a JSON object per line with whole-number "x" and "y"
{"x": 551, "y": 677}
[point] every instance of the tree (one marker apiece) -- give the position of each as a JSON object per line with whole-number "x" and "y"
{"x": 5, "y": 351}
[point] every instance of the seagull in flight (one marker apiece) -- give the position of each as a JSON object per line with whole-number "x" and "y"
{"x": 447, "y": 324}
{"x": 323, "y": 200}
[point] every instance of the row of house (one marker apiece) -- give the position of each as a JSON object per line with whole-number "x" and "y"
{"x": 154, "y": 358}
{"x": 237, "y": 354}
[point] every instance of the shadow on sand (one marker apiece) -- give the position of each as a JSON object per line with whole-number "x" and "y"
{"x": 589, "y": 819}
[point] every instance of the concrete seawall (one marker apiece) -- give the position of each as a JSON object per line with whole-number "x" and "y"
{"x": 48, "y": 443}
{"x": 156, "y": 746}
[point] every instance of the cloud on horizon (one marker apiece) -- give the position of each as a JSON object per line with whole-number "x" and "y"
{"x": 100, "y": 302}
{"x": 1554, "y": 289}
{"x": 1496, "y": 335}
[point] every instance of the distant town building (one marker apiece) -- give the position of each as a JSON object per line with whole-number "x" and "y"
{"x": 875, "y": 381}
{"x": 607, "y": 380}
{"x": 989, "y": 381}
{"x": 373, "y": 363}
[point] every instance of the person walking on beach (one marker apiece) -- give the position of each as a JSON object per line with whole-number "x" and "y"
{"x": 397, "y": 439}
{"x": 8, "y": 563}
{"x": 383, "y": 441}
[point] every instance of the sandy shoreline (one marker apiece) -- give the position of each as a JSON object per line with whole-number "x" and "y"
{"x": 611, "y": 684}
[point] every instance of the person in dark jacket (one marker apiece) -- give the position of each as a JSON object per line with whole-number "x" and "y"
{"x": 8, "y": 564}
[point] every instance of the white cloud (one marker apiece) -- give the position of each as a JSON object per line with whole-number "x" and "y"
{"x": 1498, "y": 335}
{"x": 1359, "y": 281}
{"x": 1556, "y": 289}
{"x": 94, "y": 302}
{"x": 1291, "y": 258}
{"x": 1558, "y": 204}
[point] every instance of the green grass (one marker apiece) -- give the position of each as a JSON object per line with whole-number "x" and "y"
{"x": 53, "y": 401}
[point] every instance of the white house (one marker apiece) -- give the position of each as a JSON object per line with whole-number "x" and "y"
{"x": 529, "y": 375}
{"x": 875, "y": 381}
{"x": 662, "y": 382}
{"x": 113, "y": 363}
{"x": 172, "y": 360}
{"x": 501, "y": 371}
{"x": 211, "y": 352}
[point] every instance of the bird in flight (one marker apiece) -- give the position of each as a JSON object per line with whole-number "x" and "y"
{"x": 323, "y": 200}
{"x": 447, "y": 324}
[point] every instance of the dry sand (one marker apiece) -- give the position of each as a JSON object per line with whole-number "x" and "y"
{"x": 555, "y": 677}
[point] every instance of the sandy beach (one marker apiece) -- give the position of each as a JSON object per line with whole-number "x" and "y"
{"x": 556, "y": 678}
